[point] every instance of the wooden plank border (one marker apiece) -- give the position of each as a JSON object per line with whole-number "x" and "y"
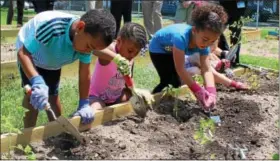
{"x": 8, "y": 26}
{"x": 8, "y": 62}
{"x": 35, "y": 134}
{"x": 13, "y": 32}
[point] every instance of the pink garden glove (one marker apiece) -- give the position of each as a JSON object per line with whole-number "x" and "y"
{"x": 212, "y": 98}
{"x": 204, "y": 97}
{"x": 239, "y": 85}
{"x": 222, "y": 65}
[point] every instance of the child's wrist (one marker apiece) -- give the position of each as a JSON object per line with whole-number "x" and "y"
{"x": 233, "y": 84}
{"x": 83, "y": 102}
{"x": 211, "y": 90}
{"x": 38, "y": 79}
{"x": 117, "y": 58}
{"x": 195, "y": 87}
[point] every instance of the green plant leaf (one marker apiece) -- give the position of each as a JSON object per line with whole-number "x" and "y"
{"x": 275, "y": 157}
{"x": 28, "y": 149}
{"x": 31, "y": 156}
{"x": 20, "y": 147}
{"x": 277, "y": 123}
{"x": 213, "y": 156}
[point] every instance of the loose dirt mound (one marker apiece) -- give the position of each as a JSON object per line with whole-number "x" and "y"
{"x": 248, "y": 118}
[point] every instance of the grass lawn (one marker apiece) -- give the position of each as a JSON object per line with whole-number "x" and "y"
{"x": 264, "y": 31}
{"x": 260, "y": 61}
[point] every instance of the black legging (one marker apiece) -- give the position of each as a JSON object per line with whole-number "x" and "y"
{"x": 165, "y": 67}
{"x": 121, "y": 8}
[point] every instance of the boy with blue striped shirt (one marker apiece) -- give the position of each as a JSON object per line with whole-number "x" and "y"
{"x": 53, "y": 39}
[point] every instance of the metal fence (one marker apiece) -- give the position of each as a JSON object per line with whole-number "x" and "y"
{"x": 260, "y": 12}
{"x": 263, "y": 12}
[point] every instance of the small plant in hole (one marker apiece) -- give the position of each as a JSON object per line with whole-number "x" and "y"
{"x": 27, "y": 151}
{"x": 204, "y": 134}
{"x": 170, "y": 92}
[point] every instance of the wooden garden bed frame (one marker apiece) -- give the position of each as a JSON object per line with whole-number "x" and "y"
{"x": 251, "y": 34}
{"x": 9, "y": 32}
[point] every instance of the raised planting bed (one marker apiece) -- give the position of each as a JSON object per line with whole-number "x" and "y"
{"x": 178, "y": 129}
{"x": 9, "y": 32}
{"x": 251, "y": 34}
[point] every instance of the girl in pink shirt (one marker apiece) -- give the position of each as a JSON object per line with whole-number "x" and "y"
{"x": 107, "y": 85}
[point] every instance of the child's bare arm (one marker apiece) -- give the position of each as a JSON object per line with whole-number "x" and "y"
{"x": 206, "y": 71}
{"x": 179, "y": 60}
{"x": 107, "y": 54}
{"x": 25, "y": 60}
{"x": 39, "y": 88}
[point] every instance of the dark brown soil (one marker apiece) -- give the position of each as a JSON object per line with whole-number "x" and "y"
{"x": 248, "y": 118}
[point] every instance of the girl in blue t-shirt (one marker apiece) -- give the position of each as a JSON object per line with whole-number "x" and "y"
{"x": 169, "y": 46}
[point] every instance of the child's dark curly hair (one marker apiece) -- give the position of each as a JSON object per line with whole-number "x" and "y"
{"x": 210, "y": 16}
{"x": 134, "y": 32}
{"x": 100, "y": 22}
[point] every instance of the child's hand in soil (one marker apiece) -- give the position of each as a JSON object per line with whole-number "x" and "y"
{"x": 212, "y": 98}
{"x": 239, "y": 85}
{"x": 222, "y": 65}
{"x": 123, "y": 64}
{"x": 148, "y": 97}
{"x": 40, "y": 93}
{"x": 207, "y": 99}
{"x": 85, "y": 111}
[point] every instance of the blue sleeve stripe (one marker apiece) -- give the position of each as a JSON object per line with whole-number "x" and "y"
{"x": 53, "y": 25}
{"x": 47, "y": 24}
{"x": 50, "y": 28}
{"x": 49, "y": 32}
{"x": 53, "y": 34}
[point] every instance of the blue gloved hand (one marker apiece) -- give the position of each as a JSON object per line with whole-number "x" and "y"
{"x": 40, "y": 93}
{"x": 85, "y": 111}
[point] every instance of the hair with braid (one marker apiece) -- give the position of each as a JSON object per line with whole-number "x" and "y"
{"x": 134, "y": 32}
{"x": 99, "y": 22}
{"x": 211, "y": 16}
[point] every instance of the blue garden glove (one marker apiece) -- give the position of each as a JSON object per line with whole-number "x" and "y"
{"x": 85, "y": 111}
{"x": 40, "y": 93}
